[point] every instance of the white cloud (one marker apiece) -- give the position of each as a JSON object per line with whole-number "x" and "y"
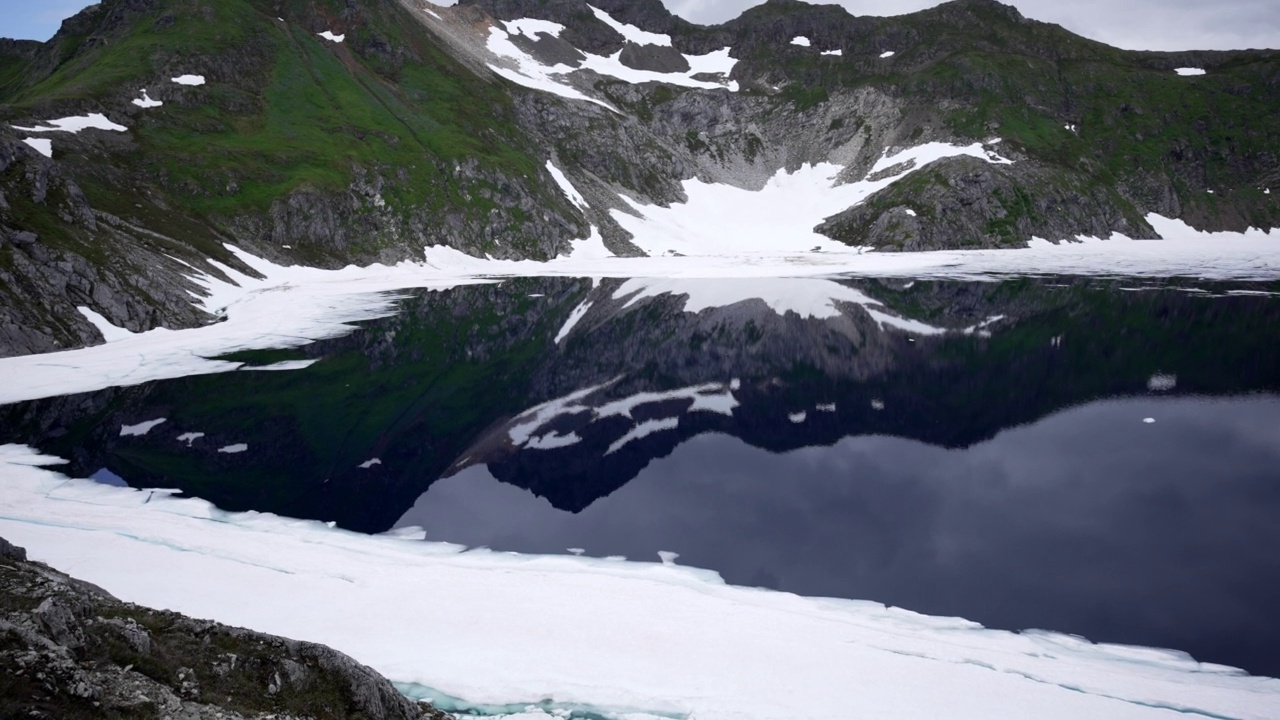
{"x": 1133, "y": 24}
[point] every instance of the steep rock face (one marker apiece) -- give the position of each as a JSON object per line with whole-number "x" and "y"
{"x": 70, "y": 650}
{"x": 58, "y": 253}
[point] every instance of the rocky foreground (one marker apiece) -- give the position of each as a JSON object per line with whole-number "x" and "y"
{"x": 68, "y": 649}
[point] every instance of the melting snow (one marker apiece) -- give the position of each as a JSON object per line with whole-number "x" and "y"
{"x": 533, "y": 74}
{"x": 800, "y": 40}
{"x": 189, "y": 80}
{"x": 721, "y": 219}
{"x": 110, "y": 332}
{"x": 1189, "y": 71}
{"x": 566, "y": 187}
{"x": 44, "y": 146}
{"x": 146, "y": 102}
{"x": 75, "y": 124}
{"x": 630, "y": 32}
{"x": 140, "y": 429}
{"x": 233, "y": 449}
{"x": 328, "y": 35}
{"x": 709, "y": 650}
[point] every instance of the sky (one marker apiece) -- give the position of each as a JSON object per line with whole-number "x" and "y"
{"x": 1132, "y": 24}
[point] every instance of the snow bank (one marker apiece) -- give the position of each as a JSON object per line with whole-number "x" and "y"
{"x": 720, "y": 219}
{"x": 533, "y": 74}
{"x": 566, "y": 187}
{"x": 887, "y": 54}
{"x": 109, "y": 331}
{"x": 44, "y": 146}
{"x": 75, "y": 124}
{"x": 189, "y": 80}
{"x": 652, "y": 638}
{"x": 1189, "y": 71}
{"x": 800, "y": 40}
{"x": 836, "y": 53}
{"x": 630, "y": 32}
{"x": 145, "y": 101}
{"x": 328, "y": 35}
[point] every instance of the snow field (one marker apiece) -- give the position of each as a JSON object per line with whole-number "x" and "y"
{"x": 649, "y": 638}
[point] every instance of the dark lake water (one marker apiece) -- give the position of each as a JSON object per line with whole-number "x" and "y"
{"x": 1093, "y": 456}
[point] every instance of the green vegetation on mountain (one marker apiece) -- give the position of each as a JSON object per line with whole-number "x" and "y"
{"x": 304, "y": 150}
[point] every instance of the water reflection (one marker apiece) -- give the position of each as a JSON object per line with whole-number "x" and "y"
{"x": 1090, "y": 521}
{"x": 1025, "y": 453}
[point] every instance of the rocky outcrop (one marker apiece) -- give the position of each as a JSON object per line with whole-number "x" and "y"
{"x": 985, "y": 205}
{"x": 70, "y": 650}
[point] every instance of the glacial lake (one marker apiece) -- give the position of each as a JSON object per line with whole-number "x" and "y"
{"x": 1092, "y": 456}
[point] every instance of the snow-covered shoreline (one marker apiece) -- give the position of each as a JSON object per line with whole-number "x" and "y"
{"x": 291, "y": 306}
{"x": 639, "y": 640}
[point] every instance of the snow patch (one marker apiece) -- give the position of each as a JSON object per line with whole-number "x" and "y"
{"x": 825, "y": 407}
{"x": 835, "y": 53}
{"x": 233, "y": 449}
{"x": 192, "y": 80}
{"x": 141, "y": 428}
{"x": 567, "y": 187}
{"x": 530, "y": 73}
{"x": 75, "y": 124}
{"x": 631, "y": 33}
{"x": 1189, "y": 71}
{"x": 44, "y": 146}
{"x": 190, "y": 437}
{"x": 800, "y": 40}
{"x": 719, "y": 219}
{"x": 887, "y": 54}
{"x": 282, "y": 365}
{"x": 328, "y": 35}
{"x": 110, "y": 332}
{"x": 369, "y": 463}
{"x": 146, "y": 102}
{"x": 797, "y": 418}
{"x": 1162, "y": 382}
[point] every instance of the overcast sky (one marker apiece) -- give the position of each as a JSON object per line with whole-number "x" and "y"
{"x": 1134, "y": 24}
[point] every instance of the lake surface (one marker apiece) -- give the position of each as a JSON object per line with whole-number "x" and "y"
{"x": 1093, "y": 456}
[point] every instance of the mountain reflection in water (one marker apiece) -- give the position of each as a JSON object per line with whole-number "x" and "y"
{"x": 1081, "y": 455}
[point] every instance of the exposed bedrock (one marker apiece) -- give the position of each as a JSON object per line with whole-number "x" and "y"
{"x": 71, "y": 650}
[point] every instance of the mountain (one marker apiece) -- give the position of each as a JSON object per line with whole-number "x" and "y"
{"x": 326, "y": 132}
